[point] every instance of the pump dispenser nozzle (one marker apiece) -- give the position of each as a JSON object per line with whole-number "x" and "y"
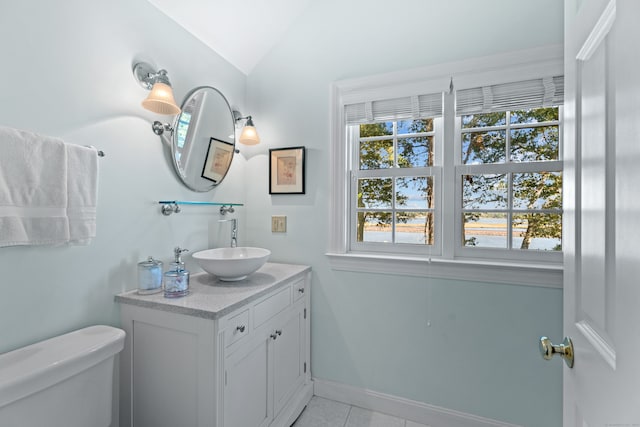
{"x": 177, "y": 252}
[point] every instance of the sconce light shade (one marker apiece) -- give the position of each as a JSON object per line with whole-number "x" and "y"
{"x": 249, "y": 135}
{"x": 161, "y": 99}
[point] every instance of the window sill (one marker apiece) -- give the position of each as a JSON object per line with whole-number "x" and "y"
{"x": 541, "y": 275}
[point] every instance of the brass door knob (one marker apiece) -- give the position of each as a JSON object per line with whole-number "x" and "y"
{"x": 565, "y": 350}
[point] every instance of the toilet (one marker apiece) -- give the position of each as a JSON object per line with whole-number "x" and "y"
{"x": 65, "y": 381}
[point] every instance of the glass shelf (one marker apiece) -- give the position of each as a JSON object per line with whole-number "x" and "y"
{"x": 173, "y": 206}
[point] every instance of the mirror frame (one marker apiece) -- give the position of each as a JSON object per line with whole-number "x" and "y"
{"x": 174, "y": 141}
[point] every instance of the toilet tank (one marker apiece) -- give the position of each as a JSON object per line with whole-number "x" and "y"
{"x": 65, "y": 381}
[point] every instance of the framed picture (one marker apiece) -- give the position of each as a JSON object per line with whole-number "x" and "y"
{"x": 217, "y": 160}
{"x": 286, "y": 170}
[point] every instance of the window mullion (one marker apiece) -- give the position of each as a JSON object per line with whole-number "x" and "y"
{"x": 510, "y": 211}
{"x": 509, "y": 184}
{"x": 512, "y": 126}
{"x": 354, "y": 159}
{"x": 513, "y": 167}
{"x": 449, "y": 184}
{"x": 394, "y": 182}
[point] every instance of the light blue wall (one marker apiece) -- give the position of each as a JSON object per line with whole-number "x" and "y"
{"x": 66, "y": 71}
{"x": 479, "y": 355}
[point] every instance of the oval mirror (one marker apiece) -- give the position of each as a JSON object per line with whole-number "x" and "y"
{"x": 203, "y": 139}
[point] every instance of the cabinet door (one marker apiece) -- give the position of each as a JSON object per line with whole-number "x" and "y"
{"x": 288, "y": 359}
{"x": 247, "y": 401}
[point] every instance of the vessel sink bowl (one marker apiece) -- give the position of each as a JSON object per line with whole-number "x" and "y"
{"x": 230, "y": 264}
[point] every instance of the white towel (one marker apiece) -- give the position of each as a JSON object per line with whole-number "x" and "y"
{"x": 33, "y": 189}
{"x": 48, "y": 190}
{"x": 82, "y": 188}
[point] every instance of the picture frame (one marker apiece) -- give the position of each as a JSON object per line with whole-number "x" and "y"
{"x": 217, "y": 160}
{"x": 287, "y": 170}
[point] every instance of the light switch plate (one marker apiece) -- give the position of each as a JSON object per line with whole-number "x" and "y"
{"x": 279, "y": 224}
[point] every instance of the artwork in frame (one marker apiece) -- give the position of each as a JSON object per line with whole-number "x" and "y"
{"x": 287, "y": 170}
{"x": 217, "y": 160}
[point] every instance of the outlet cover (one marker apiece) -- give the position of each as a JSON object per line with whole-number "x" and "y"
{"x": 278, "y": 224}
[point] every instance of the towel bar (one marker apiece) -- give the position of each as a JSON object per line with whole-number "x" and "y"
{"x": 100, "y": 153}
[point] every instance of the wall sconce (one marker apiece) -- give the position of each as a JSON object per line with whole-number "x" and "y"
{"x": 161, "y": 99}
{"x": 249, "y": 134}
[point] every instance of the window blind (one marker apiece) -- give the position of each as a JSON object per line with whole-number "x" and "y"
{"x": 545, "y": 92}
{"x": 409, "y": 107}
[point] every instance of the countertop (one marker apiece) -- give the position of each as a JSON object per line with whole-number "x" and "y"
{"x": 211, "y": 298}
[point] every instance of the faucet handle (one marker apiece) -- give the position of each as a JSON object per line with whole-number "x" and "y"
{"x": 224, "y": 209}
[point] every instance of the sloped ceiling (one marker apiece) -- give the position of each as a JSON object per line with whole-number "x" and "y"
{"x": 241, "y": 31}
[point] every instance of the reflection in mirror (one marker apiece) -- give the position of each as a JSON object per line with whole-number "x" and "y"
{"x": 203, "y": 139}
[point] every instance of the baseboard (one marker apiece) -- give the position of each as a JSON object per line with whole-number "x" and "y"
{"x": 430, "y": 415}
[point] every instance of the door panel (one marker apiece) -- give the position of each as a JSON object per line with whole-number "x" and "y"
{"x": 246, "y": 394}
{"x": 597, "y": 176}
{"x": 288, "y": 361}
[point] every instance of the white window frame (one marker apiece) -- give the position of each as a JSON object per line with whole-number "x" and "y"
{"x": 513, "y": 66}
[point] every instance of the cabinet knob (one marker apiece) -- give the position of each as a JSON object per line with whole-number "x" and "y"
{"x": 240, "y": 328}
{"x": 273, "y": 336}
{"x": 279, "y": 332}
{"x": 301, "y": 290}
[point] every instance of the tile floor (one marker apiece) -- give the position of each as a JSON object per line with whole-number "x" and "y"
{"x": 322, "y": 412}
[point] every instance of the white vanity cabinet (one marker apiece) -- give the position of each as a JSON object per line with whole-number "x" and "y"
{"x": 227, "y": 355}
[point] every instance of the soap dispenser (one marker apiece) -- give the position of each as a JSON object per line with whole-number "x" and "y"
{"x": 176, "y": 280}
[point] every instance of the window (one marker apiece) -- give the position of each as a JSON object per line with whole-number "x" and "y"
{"x": 468, "y": 178}
{"x": 509, "y": 170}
{"x": 510, "y": 183}
{"x": 393, "y": 186}
{"x": 394, "y": 173}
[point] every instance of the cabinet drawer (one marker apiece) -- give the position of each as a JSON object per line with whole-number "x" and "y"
{"x": 299, "y": 289}
{"x": 238, "y": 328}
{"x": 271, "y": 306}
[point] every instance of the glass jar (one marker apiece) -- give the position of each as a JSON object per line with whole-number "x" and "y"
{"x": 149, "y": 276}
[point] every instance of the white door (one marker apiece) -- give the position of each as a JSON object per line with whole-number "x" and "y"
{"x": 602, "y": 207}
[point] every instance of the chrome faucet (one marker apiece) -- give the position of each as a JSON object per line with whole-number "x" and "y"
{"x": 234, "y": 233}
{"x": 234, "y": 230}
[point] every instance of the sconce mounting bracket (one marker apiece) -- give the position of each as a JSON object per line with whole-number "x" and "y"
{"x": 144, "y": 73}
